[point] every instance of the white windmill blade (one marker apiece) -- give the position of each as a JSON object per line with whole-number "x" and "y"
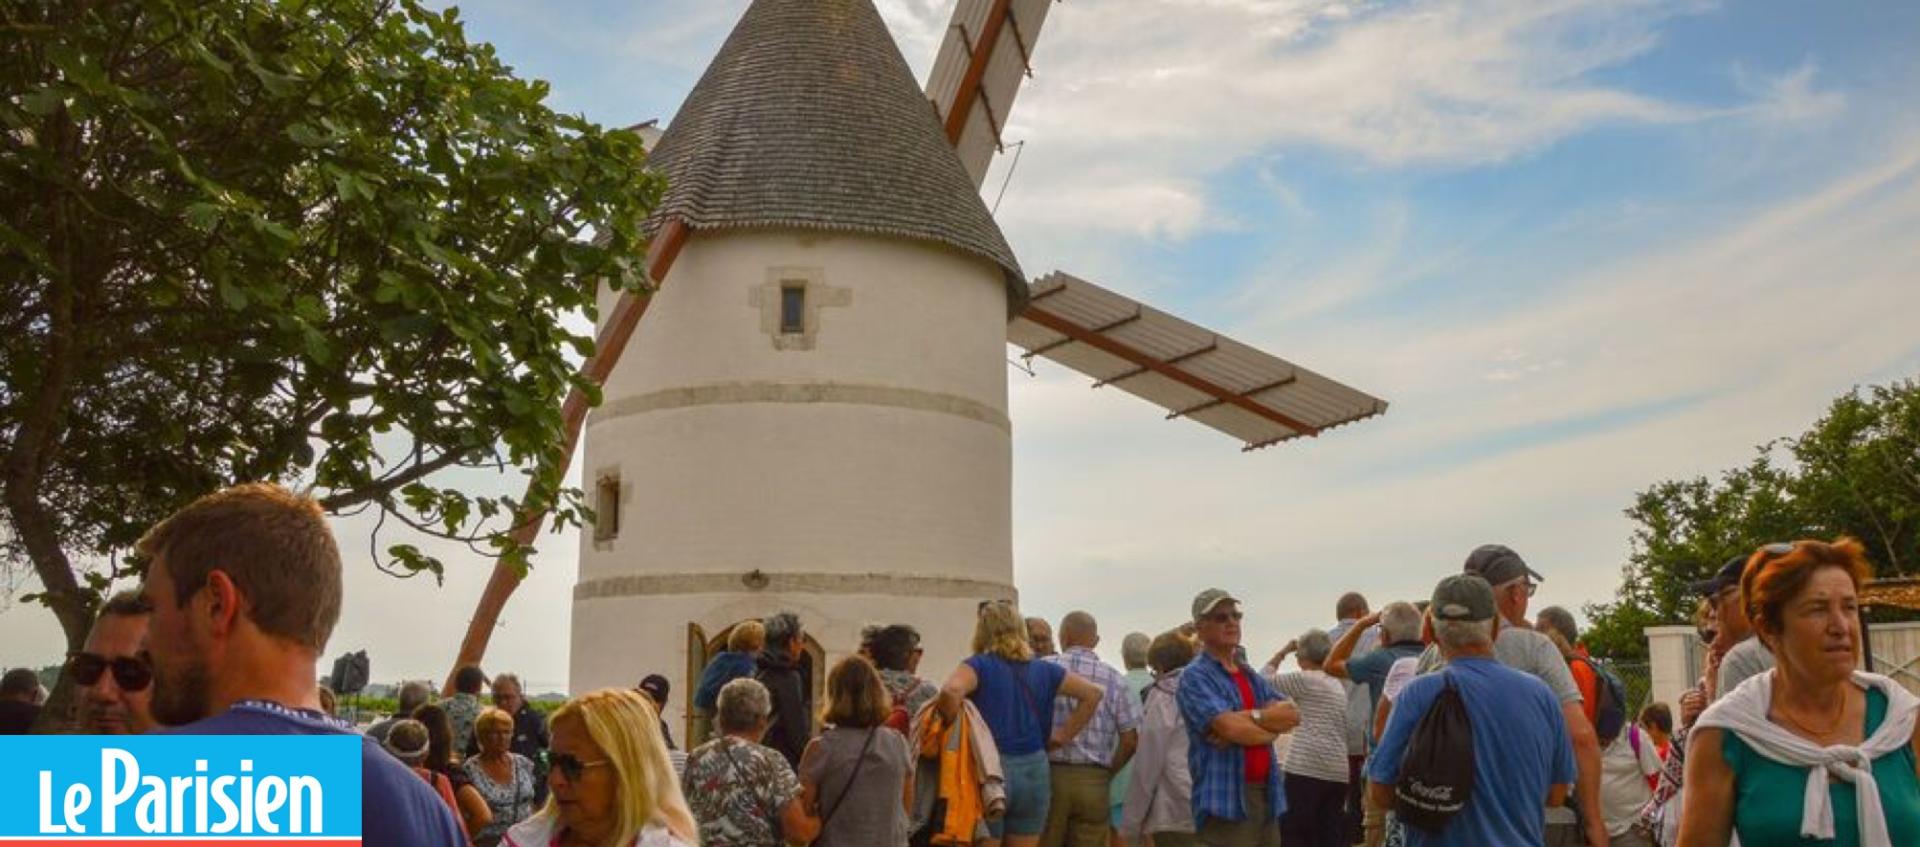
{"x": 985, "y": 55}
{"x": 1190, "y": 371}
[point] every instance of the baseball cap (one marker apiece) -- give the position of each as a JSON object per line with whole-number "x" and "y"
{"x": 1462, "y": 597}
{"x": 1206, "y": 600}
{"x": 1499, "y": 565}
{"x": 1729, "y": 574}
{"x": 656, "y": 686}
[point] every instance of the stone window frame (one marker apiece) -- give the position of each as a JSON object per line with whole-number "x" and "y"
{"x": 769, "y": 297}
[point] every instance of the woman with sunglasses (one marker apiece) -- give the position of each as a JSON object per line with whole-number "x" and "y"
{"x": 611, "y": 782}
{"x": 1814, "y": 751}
{"x": 1015, "y": 697}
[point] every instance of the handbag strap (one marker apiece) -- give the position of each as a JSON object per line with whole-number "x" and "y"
{"x": 1043, "y": 713}
{"x": 741, "y": 774}
{"x": 848, "y": 787}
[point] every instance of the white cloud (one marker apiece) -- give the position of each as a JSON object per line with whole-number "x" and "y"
{"x": 1132, "y": 94}
{"x": 1672, "y": 361}
{"x": 1789, "y": 98}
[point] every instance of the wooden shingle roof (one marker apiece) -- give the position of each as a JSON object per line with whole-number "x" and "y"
{"x": 809, "y": 117}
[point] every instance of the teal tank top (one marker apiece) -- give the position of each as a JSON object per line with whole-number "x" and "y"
{"x": 1768, "y": 795}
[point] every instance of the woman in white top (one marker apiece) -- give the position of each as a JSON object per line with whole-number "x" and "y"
{"x": 612, "y": 785}
{"x": 1316, "y": 763}
{"x": 1159, "y": 801}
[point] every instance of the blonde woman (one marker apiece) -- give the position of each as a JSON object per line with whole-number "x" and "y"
{"x": 612, "y": 784}
{"x": 504, "y": 778}
{"x": 1015, "y": 697}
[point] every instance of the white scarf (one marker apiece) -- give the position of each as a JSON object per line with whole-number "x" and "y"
{"x": 1744, "y": 712}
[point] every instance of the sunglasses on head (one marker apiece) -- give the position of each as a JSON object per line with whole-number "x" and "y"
{"x": 1223, "y": 617}
{"x": 571, "y": 767}
{"x": 130, "y": 673}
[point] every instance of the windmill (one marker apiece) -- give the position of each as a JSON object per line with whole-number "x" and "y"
{"x": 814, "y": 414}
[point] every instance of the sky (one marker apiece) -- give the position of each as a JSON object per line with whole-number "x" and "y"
{"x": 1581, "y": 246}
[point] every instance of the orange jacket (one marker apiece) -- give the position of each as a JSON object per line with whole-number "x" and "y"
{"x": 967, "y": 779}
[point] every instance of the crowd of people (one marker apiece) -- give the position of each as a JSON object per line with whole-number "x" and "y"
{"x": 1453, "y": 720}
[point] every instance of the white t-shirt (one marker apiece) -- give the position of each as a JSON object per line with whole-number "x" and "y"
{"x": 1401, "y": 673}
{"x": 1318, "y": 747}
{"x": 1623, "y": 779}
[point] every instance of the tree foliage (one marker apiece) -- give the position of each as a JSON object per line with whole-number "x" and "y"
{"x": 329, "y": 242}
{"x": 1855, "y": 472}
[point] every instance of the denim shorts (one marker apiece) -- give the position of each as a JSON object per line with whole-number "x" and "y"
{"x": 1029, "y": 788}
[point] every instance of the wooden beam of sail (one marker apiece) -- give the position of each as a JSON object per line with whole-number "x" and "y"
{"x": 608, "y": 345}
{"x": 984, "y": 57}
{"x": 1188, "y": 370}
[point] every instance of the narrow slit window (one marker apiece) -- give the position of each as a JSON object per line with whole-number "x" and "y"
{"x": 606, "y": 509}
{"x": 793, "y": 308}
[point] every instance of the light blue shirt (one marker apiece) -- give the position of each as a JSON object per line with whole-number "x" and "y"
{"x": 1520, "y": 749}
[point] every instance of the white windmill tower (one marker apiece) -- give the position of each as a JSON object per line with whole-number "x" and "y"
{"x": 813, "y": 415}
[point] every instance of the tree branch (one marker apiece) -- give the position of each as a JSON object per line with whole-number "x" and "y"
{"x": 381, "y": 489}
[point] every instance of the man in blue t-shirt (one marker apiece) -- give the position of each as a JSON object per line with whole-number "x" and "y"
{"x": 245, "y": 589}
{"x": 1523, "y": 757}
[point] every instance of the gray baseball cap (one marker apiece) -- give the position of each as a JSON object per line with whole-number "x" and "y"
{"x": 1499, "y": 565}
{"x": 1206, "y": 600}
{"x": 1463, "y": 597}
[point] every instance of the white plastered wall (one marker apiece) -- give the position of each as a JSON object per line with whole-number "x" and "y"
{"x": 864, "y": 471}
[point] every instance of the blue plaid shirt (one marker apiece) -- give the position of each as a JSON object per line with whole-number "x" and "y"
{"x": 1207, "y": 691}
{"x": 1119, "y": 710}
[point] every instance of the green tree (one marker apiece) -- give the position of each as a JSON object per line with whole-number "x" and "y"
{"x": 1855, "y": 472}
{"x": 331, "y": 243}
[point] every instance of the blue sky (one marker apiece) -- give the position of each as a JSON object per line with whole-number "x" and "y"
{"x": 1581, "y": 246}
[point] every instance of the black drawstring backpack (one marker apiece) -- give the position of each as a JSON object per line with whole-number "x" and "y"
{"x": 1436, "y": 774}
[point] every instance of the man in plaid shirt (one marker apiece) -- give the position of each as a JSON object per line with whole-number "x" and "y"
{"x": 1082, "y": 771}
{"x": 1232, "y": 716}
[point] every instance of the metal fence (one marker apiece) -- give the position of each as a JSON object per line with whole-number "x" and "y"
{"x": 1637, "y": 679}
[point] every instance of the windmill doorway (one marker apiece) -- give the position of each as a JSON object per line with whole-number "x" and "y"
{"x": 701, "y": 649}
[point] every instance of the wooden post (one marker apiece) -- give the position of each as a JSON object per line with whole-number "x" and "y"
{"x": 611, "y": 342}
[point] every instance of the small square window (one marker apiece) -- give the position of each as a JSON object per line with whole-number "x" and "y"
{"x": 606, "y": 509}
{"x": 793, "y": 308}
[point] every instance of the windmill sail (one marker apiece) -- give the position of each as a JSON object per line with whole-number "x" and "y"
{"x": 1190, "y": 371}
{"x": 985, "y": 55}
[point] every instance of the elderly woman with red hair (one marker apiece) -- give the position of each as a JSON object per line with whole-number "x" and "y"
{"x": 1815, "y": 751}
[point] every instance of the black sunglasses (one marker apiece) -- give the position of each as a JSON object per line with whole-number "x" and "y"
{"x": 1223, "y": 617}
{"x": 571, "y": 767}
{"x": 130, "y": 673}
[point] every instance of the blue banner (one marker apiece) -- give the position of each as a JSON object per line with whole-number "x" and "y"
{"x": 109, "y": 790}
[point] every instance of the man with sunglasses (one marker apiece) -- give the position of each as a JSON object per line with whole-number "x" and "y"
{"x": 1519, "y": 647}
{"x": 115, "y": 679}
{"x": 1742, "y": 654}
{"x": 1232, "y": 716}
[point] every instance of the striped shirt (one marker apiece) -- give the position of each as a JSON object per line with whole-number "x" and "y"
{"x": 1119, "y": 710}
{"x": 1319, "y": 744}
{"x": 1207, "y": 691}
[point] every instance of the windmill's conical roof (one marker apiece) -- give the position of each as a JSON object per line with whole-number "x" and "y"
{"x": 809, "y": 117}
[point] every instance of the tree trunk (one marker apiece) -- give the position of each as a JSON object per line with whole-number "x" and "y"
{"x": 41, "y": 421}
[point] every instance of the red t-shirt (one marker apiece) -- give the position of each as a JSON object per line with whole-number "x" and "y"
{"x": 1259, "y": 759}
